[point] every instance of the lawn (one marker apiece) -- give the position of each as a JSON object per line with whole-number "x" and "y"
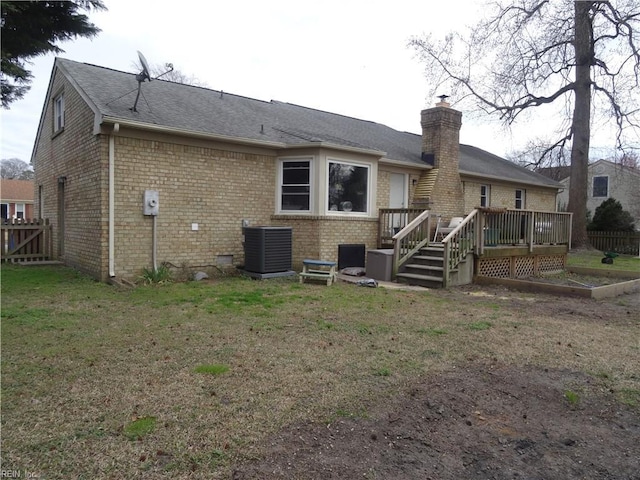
{"x": 184, "y": 380}
{"x": 593, "y": 259}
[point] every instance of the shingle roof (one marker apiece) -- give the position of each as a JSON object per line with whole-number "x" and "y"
{"x": 16, "y": 190}
{"x": 477, "y": 162}
{"x": 555, "y": 173}
{"x": 201, "y": 110}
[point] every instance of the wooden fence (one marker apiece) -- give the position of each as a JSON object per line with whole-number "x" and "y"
{"x": 619, "y": 242}
{"x": 23, "y": 240}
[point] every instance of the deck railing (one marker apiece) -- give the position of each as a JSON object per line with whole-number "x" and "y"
{"x": 408, "y": 230}
{"x": 502, "y": 227}
{"x": 459, "y": 243}
{"x": 392, "y": 220}
{"x": 408, "y": 241}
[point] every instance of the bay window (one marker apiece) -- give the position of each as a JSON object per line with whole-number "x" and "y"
{"x": 348, "y": 187}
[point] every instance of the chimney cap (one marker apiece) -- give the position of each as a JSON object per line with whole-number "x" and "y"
{"x": 443, "y": 101}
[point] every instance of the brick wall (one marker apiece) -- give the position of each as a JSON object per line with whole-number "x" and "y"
{"x": 503, "y": 195}
{"x": 215, "y": 189}
{"x": 73, "y": 155}
{"x": 318, "y": 237}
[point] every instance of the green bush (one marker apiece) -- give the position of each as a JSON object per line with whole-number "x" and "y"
{"x": 611, "y": 217}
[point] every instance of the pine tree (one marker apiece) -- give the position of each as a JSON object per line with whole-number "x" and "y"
{"x": 30, "y": 29}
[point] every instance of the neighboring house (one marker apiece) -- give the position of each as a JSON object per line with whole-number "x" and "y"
{"x": 220, "y": 161}
{"x": 605, "y": 180}
{"x": 16, "y": 198}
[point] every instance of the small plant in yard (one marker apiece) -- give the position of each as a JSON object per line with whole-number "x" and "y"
{"x": 214, "y": 369}
{"x": 140, "y": 427}
{"x": 629, "y": 396}
{"x": 160, "y": 275}
{"x": 432, "y": 332}
{"x": 572, "y": 397}
{"x": 382, "y": 372}
{"x": 480, "y": 325}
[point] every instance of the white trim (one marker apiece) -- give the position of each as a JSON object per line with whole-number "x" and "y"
{"x": 509, "y": 180}
{"x": 523, "y": 199}
{"x": 487, "y": 194}
{"x": 23, "y": 209}
{"x": 401, "y": 163}
{"x": 58, "y": 112}
{"x": 593, "y": 180}
{"x": 312, "y": 188}
{"x": 369, "y": 166}
{"x": 112, "y": 202}
{"x": 232, "y": 139}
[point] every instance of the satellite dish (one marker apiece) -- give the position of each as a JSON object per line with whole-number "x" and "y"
{"x": 145, "y": 73}
{"x": 141, "y": 77}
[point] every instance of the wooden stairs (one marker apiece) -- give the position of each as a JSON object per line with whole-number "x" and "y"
{"x": 426, "y": 268}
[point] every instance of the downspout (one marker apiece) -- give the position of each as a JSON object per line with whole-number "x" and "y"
{"x": 112, "y": 147}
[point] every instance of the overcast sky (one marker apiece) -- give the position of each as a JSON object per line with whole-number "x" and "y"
{"x": 343, "y": 56}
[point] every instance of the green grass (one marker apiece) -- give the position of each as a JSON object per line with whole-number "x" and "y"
{"x": 592, "y": 259}
{"x": 140, "y": 427}
{"x": 572, "y": 397}
{"x": 87, "y": 366}
{"x": 481, "y": 325}
{"x": 432, "y": 332}
{"x": 214, "y": 369}
{"x": 629, "y": 396}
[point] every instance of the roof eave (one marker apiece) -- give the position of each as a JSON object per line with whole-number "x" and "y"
{"x": 123, "y": 122}
{"x": 510, "y": 180}
{"x": 402, "y": 163}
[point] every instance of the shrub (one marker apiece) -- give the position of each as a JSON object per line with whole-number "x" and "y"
{"x": 611, "y": 217}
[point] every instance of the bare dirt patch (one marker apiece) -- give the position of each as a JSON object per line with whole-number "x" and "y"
{"x": 488, "y": 422}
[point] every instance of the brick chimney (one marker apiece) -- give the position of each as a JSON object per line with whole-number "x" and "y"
{"x": 442, "y": 187}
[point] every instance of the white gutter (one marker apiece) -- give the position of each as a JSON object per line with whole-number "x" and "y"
{"x": 508, "y": 180}
{"x": 112, "y": 155}
{"x": 401, "y": 163}
{"x": 238, "y": 140}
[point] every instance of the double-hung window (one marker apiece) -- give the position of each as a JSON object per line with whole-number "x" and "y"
{"x": 520, "y": 199}
{"x": 19, "y": 210}
{"x": 58, "y": 113}
{"x": 295, "y": 187}
{"x": 485, "y": 193}
{"x": 348, "y": 187}
{"x": 600, "y": 186}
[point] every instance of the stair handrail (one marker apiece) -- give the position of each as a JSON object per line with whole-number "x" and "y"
{"x": 410, "y": 239}
{"x": 461, "y": 241}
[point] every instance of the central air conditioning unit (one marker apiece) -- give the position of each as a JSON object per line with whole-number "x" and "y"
{"x": 268, "y": 250}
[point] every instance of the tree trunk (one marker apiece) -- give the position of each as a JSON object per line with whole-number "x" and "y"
{"x": 580, "y": 127}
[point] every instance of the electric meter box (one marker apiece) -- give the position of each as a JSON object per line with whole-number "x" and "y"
{"x": 151, "y": 202}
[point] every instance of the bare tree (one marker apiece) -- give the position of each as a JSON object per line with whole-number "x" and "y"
{"x": 16, "y": 169}
{"x": 175, "y": 75}
{"x": 166, "y": 71}
{"x": 581, "y": 56}
{"x": 630, "y": 160}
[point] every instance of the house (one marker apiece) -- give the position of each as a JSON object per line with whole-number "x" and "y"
{"x": 217, "y": 162}
{"x": 16, "y": 198}
{"x": 605, "y": 180}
